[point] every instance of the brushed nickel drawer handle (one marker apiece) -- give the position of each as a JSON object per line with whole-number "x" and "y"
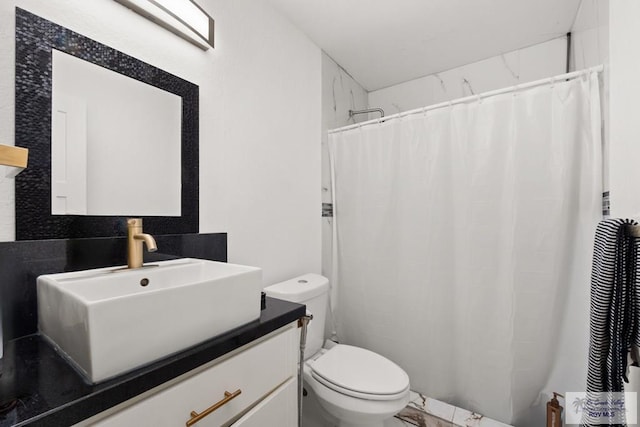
{"x": 195, "y": 417}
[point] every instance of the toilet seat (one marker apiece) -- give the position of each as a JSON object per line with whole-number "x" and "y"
{"x": 359, "y": 373}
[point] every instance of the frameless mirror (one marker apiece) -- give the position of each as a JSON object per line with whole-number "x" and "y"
{"x": 115, "y": 143}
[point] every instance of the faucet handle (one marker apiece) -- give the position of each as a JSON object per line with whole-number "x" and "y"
{"x": 134, "y": 222}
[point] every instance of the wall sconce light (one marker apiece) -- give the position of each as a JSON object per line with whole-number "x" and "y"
{"x": 13, "y": 160}
{"x": 184, "y": 18}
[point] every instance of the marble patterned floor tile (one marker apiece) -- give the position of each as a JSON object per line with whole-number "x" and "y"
{"x": 456, "y": 417}
{"x": 439, "y": 409}
{"x": 465, "y": 418}
{"x": 462, "y": 417}
{"x": 415, "y": 417}
{"x": 417, "y": 400}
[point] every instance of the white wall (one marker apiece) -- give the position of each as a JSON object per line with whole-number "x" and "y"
{"x": 260, "y": 112}
{"x": 624, "y": 150}
{"x": 624, "y": 129}
{"x": 520, "y": 66}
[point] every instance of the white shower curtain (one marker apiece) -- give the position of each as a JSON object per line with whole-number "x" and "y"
{"x": 456, "y": 232}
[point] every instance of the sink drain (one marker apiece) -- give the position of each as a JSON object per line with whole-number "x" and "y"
{"x": 144, "y": 282}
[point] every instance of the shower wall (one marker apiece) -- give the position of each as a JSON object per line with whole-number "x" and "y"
{"x": 511, "y": 68}
{"x": 590, "y": 35}
{"x": 340, "y": 93}
{"x": 589, "y": 47}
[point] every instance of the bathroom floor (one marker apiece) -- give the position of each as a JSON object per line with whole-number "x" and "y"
{"x": 410, "y": 416}
{"x": 422, "y": 411}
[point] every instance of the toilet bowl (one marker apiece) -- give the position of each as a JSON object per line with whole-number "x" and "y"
{"x": 358, "y": 387}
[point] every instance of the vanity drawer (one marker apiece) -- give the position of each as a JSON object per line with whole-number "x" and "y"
{"x": 278, "y": 409}
{"x": 256, "y": 372}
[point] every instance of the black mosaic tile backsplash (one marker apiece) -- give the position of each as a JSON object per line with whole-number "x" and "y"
{"x": 35, "y": 38}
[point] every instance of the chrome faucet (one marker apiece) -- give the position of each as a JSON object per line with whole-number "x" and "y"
{"x": 135, "y": 240}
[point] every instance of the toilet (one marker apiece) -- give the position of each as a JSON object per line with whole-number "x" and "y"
{"x": 355, "y": 386}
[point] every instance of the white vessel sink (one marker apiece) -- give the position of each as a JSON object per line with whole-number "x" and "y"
{"x": 111, "y": 320}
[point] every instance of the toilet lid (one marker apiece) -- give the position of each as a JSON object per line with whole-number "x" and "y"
{"x": 360, "y": 373}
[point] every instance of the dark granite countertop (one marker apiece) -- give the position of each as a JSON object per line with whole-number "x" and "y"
{"x": 42, "y": 389}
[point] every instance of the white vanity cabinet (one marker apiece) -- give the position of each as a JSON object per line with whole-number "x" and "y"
{"x": 265, "y": 373}
{"x": 277, "y": 409}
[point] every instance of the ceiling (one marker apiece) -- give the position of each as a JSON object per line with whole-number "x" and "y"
{"x": 382, "y": 43}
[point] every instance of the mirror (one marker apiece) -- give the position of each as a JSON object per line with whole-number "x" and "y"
{"x": 37, "y": 41}
{"x": 108, "y": 133}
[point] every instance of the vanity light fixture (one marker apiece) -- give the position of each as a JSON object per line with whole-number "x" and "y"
{"x": 184, "y": 18}
{"x": 13, "y": 160}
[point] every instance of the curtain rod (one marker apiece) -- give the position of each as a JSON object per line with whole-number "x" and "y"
{"x": 480, "y": 96}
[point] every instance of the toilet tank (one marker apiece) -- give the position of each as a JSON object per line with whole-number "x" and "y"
{"x": 313, "y": 291}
